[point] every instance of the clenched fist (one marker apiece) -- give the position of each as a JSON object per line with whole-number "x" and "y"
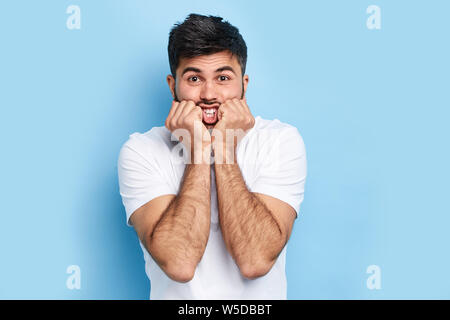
{"x": 185, "y": 123}
{"x": 235, "y": 120}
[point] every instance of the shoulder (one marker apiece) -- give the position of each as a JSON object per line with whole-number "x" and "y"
{"x": 273, "y": 126}
{"x": 270, "y": 132}
{"x": 156, "y": 142}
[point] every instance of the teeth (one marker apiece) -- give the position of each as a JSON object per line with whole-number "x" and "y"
{"x": 210, "y": 111}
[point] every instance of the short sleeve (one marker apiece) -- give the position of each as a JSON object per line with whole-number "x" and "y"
{"x": 140, "y": 177}
{"x": 282, "y": 173}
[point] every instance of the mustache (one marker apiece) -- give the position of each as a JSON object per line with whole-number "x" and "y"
{"x": 208, "y": 102}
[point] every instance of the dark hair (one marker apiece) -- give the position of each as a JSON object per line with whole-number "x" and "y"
{"x": 202, "y": 35}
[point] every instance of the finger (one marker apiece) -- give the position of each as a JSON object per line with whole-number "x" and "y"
{"x": 221, "y": 114}
{"x": 246, "y": 107}
{"x": 249, "y": 116}
{"x": 228, "y": 106}
{"x": 178, "y": 112}
{"x": 242, "y": 107}
{"x": 199, "y": 112}
{"x": 222, "y": 109}
{"x": 193, "y": 113}
{"x": 173, "y": 108}
{"x": 238, "y": 103}
{"x": 237, "y": 107}
{"x": 188, "y": 108}
{"x": 172, "y": 111}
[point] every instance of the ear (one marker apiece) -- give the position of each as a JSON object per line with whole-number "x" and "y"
{"x": 171, "y": 82}
{"x": 245, "y": 80}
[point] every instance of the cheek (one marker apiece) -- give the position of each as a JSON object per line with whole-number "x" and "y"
{"x": 186, "y": 92}
{"x": 232, "y": 91}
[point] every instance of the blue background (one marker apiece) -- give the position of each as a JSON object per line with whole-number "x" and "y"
{"x": 371, "y": 105}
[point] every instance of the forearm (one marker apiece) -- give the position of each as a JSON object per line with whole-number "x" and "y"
{"x": 181, "y": 235}
{"x": 250, "y": 232}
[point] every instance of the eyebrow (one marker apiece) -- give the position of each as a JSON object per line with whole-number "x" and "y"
{"x": 224, "y": 68}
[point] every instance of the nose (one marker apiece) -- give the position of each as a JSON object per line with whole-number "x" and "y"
{"x": 208, "y": 91}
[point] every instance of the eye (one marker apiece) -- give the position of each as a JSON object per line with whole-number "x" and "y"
{"x": 223, "y": 78}
{"x": 193, "y": 78}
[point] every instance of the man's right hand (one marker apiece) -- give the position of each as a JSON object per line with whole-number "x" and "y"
{"x": 185, "y": 123}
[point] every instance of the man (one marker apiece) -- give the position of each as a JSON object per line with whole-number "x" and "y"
{"x": 215, "y": 225}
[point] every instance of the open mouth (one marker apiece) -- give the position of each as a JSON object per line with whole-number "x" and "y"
{"x": 210, "y": 114}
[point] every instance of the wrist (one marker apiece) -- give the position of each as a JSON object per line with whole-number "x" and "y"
{"x": 201, "y": 153}
{"x": 224, "y": 155}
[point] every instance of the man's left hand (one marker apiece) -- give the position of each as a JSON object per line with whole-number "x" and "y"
{"x": 235, "y": 117}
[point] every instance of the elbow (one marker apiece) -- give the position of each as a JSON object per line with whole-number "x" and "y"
{"x": 179, "y": 273}
{"x": 253, "y": 271}
{"x": 176, "y": 270}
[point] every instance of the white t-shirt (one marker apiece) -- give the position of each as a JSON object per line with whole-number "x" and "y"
{"x": 272, "y": 159}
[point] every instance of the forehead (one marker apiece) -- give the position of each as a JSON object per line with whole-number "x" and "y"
{"x": 211, "y": 62}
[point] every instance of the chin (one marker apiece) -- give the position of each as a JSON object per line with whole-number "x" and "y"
{"x": 209, "y": 126}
